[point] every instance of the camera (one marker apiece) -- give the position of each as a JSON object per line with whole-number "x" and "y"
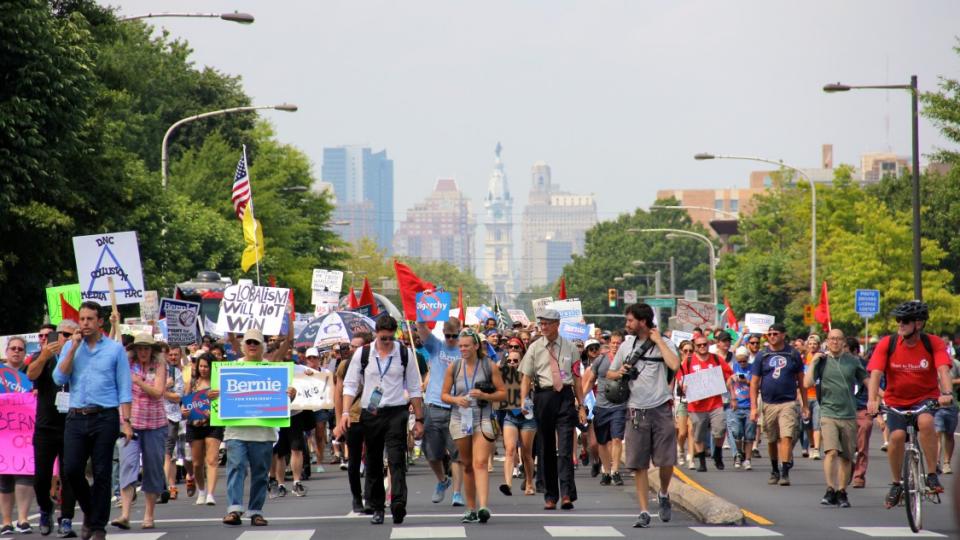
{"x": 486, "y": 387}
{"x": 632, "y": 373}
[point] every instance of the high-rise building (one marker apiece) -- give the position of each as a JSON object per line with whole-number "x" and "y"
{"x": 555, "y": 223}
{"x": 498, "y": 269}
{"x": 362, "y": 183}
{"x": 440, "y": 228}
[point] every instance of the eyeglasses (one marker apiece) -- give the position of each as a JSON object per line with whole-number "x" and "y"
{"x": 753, "y": 343}
{"x": 45, "y": 334}
{"x": 252, "y": 342}
{"x": 516, "y": 348}
{"x": 451, "y": 336}
{"x": 16, "y": 349}
{"x": 698, "y": 345}
{"x": 688, "y": 351}
{"x": 901, "y": 320}
{"x": 774, "y": 333}
{"x": 66, "y": 335}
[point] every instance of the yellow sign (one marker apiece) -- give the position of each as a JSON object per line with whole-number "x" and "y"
{"x": 808, "y": 314}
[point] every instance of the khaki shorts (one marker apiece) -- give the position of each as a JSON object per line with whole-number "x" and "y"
{"x": 780, "y": 420}
{"x": 840, "y": 435}
{"x": 714, "y": 422}
{"x": 650, "y": 436}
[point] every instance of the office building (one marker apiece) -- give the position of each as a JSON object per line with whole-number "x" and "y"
{"x": 440, "y": 228}
{"x": 360, "y": 176}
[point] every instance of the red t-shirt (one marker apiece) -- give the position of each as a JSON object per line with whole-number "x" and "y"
{"x": 695, "y": 364}
{"x": 911, "y": 375}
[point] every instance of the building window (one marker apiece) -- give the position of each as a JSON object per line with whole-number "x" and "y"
{"x": 734, "y": 205}
{"x": 718, "y": 205}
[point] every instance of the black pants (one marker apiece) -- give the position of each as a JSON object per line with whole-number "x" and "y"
{"x": 47, "y": 447}
{"x": 556, "y": 415}
{"x": 386, "y": 430}
{"x": 355, "y": 449}
{"x": 91, "y": 437}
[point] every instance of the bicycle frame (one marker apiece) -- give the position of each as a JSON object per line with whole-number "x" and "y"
{"x": 913, "y": 472}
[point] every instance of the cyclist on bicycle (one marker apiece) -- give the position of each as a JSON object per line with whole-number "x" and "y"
{"x": 912, "y": 378}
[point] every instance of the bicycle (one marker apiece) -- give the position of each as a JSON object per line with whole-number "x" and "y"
{"x": 913, "y": 474}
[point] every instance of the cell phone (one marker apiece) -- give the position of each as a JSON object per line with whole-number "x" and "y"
{"x": 741, "y": 376}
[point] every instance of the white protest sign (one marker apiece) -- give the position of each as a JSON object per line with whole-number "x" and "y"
{"x": 327, "y": 280}
{"x": 758, "y": 323}
{"x": 470, "y": 318}
{"x": 677, "y": 336}
{"x": 135, "y": 329}
{"x": 314, "y": 392}
{"x": 570, "y": 310}
{"x": 181, "y": 319}
{"x": 540, "y": 304}
{"x": 245, "y": 306}
{"x": 696, "y": 313}
{"x": 320, "y": 297}
{"x": 704, "y": 384}
{"x": 116, "y": 255}
{"x": 518, "y": 315}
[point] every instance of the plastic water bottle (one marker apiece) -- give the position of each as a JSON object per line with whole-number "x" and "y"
{"x": 527, "y": 408}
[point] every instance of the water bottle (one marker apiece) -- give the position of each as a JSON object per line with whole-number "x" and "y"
{"x": 527, "y": 408}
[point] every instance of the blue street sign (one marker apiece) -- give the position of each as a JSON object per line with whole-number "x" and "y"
{"x": 867, "y": 303}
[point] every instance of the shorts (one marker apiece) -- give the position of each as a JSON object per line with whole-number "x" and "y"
{"x": 814, "y": 421}
{"x": 945, "y": 420}
{"x": 714, "y": 422}
{"x": 437, "y": 442}
{"x": 146, "y": 452}
{"x": 839, "y": 434}
{"x": 520, "y": 422}
{"x": 740, "y": 426}
{"x": 173, "y": 431}
{"x": 292, "y": 438}
{"x": 609, "y": 423}
{"x": 456, "y": 430}
{"x": 8, "y": 482}
{"x": 681, "y": 410}
{"x": 199, "y": 433}
{"x": 897, "y": 422}
{"x": 780, "y": 420}
{"x": 323, "y": 416}
{"x": 650, "y": 436}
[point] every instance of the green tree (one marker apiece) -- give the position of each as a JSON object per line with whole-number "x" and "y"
{"x": 943, "y": 108}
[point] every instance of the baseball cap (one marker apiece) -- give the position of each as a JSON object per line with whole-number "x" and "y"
{"x": 254, "y": 334}
{"x": 742, "y": 352}
{"x": 312, "y": 351}
{"x": 590, "y": 342}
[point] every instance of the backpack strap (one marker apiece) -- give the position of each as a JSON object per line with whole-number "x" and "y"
{"x": 365, "y": 360}
{"x": 818, "y": 376}
{"x": 894, "y": 338}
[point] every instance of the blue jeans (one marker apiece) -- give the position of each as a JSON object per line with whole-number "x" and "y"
{"x": 740, "y": 427}
{"x": 257, "y": 456}
{"x": 91, "y": 436}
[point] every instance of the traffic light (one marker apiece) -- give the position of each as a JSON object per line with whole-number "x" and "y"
{"x": 612, "y": 297}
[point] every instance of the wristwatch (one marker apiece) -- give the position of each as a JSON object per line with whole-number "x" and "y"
{"x": 125, "y": 420}
{"x": 418, "y": 420}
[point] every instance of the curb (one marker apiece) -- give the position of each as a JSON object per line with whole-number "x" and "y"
{"x": 707, "y": 508}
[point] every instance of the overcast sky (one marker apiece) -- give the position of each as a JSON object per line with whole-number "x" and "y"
{"x": 615, "y": 96}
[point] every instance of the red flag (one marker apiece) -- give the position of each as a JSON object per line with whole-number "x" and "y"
{"x": 410, "y": 284}
{"x": 67, "y": 311}
{"x": 463, "y": 311}
{"x": 731, "y": 316}
{"x": 367, "y": 299}
{"x": 563, "y": 289}
{"x": 352, "y": 300}
{"x": 822, "y": 313}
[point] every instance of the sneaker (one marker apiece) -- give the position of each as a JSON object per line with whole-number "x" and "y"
{"x": 46, "y": 526}
{"x": 774, "y": 478}
{"x": 7, "y": 530}
{"x": 210, "y": 500}
{"x": 933, "y": 483}
{"x": 457, "y": 499}
{"x": 690, "y": 464}
{"x": 883, "y": 447}
{"x": 470, "y": 517}
{"x": 441, "y": 490}
{"x": 666, "y": 507}
{"x": 947, "y": 469}
{"x": 66, "y": 529}
{"x": 842, "y": 500}
{"x": 617, "y": 479}
{"x": 689, "y": 457}
{"x": 272, "y": 488}
{"x": 343, "y": 464}
{"x": 680, "y": 460}
{"x": 893, "y": 496}
{"x": 24, "y": 528}
{"x": 595, "y": 469}
{"x": 755, "y": 453}
{"x": 281, "y": 490}
{"x": 805, "y": 453}
{"x": 747, "y": 466}
{"x": 516, "y": 471}
{"x": 643, "y": 521}
{"x": 736, "y": 461}
{"x": 201, "y": 498}
{"x": 483, "y": 515}
{"x": 605, "y": 479}
{"x": 815, "y": 454}
{"x": 298, "y": 489}
{"x": 785, "y": 479}
{"x": 829, "y": 498}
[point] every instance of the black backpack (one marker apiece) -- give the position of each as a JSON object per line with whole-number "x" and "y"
{"x": 618, "y": 391}
{"x": 893, "y": 339}
{"x": 365, "y": 360}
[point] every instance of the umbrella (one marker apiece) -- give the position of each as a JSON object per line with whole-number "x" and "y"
{"x": 333, "y": 328}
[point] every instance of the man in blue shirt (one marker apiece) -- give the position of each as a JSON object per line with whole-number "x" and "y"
{"x": 741, "y": 428}
{"x": 437, "y": 442}
{"x": 98, "y": 372}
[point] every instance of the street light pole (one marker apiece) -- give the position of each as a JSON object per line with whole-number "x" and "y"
{"x": 915, "y": 192}
{"x": 166, "y": 136}
{"x": 665, "y": 263}
{"x": 242, "y": 18}
{"x": 733, "y": 215}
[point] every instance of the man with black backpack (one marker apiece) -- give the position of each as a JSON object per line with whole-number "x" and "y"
{"x": 647, "y": 362}
{"x": 707, "y": 413}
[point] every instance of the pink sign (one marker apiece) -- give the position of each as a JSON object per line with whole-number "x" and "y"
{"x": 16, "y": 432}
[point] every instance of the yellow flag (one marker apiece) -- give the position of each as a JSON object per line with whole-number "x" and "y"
{"x": 253, "y": 237}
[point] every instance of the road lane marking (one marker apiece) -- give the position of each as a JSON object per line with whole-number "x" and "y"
{"x": 428, "y": 532}
{"x": 583, "y": 532}
{"x": 893, "y": 532}
{"x": 302, "y": 534}
{"x": 735, "y": 532}
{"x": 139, "y": 536}
{"x": 757, "y": 518}
{"x": 352, "y": 516}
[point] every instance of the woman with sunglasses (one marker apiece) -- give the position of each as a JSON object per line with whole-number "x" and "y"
{"x": 684, "y": 443}
{"x": 470, "y": 385}
{"x": 204, "y": 439}
{"x": 517, "y": 428}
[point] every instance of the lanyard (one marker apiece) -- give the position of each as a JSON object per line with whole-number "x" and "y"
{"x": 469, "y": 384}
{"x": 384, "y": 370}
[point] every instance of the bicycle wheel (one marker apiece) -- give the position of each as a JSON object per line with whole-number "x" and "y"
{"x": 913, "y": 488}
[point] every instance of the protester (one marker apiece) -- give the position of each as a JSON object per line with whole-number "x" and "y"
{"x": 519, "y": 430}
{"x": 709, "y": 419}
{"x": 471, "y": 426}
{"x": 204, "y": 439}
{"x": 354, "y": 433}
{"x": 681, "y": 415}
{"x": 739, "y": 424}
{"x": 811, "y": 426}
{"x": 17, "y": 486}
{"x": 945, "y": 420}
{"x": 609, "y": 419}
{"x": 171, "y": 404}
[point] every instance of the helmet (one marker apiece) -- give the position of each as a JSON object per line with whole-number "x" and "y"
{"x": 914, "y": 310}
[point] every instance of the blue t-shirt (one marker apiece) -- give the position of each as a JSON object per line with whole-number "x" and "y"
{"x": 741, "y": 387}
{"x": 778, "y": 372}
{"x": 440, "y": 358}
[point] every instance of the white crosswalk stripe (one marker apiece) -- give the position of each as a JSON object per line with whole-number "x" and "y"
{"x": 893, "y": 532}
{"x": 735, "y": 532}
{"x": 582, "y": 532}
{"x": 299, "y": 534}
{"x": 139, "y": 536}
{"x": 427, "y": 532}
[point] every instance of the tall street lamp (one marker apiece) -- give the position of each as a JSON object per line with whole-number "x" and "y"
{"x": 915, "y": 110}
{"x": 677, "y": 233}
{"x": 163, "y": 149}
{"x": 666, "y": 263}
{"x": 733, "y": 215}
{"x": 813, "y": 209}
{"x": 242, "y": 18}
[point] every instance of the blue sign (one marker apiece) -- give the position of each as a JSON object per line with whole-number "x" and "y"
{"x": 867, "y": 303}
{"x": 198, "y": 405}
{"x": 12, "y": 380}
{"x": 433, "y": 306}
{"x": 484, "y": 313}
{"x": 574, "y": 330}
{"x": 249, "y": 392}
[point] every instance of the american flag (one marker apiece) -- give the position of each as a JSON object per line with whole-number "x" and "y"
{"x": 241, "y": 187}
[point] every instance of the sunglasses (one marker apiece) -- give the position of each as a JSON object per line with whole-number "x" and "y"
{"x": 516, "y": 348}
{"x": 385, "y": 339}
{"x": 686, "y": 350}
{"x": 16, "y": 349}
{"x": 67, "y": 335}
{"x": 701, "y": 344}
{"x": 753, "y": 343}
{"x": 902, "y": 320}
{"x": 252, "y": 342}
{"x": 45, "y": 334}
{"x": 774, "y": 333}
{"x": 451, "y": 336}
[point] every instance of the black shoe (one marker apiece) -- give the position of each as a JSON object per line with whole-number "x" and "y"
{"x": 702, "y": 458}
{"x": 368, "y": 510}
{"x": 829, "y": 498}
{"x": 617, "y": 479}
{"x": 933, "y": 483}
{"x": 774, "y": 478}
{"x": 755, "y": 453}
{"x": 357, "y": 506}
{"x": 718, "y": 462}
{"x": 605, "y": 480}
{"x": 164, "y": 497}
{"x": 893, "y": 496}
{"x": 842, "y": 499}
{"x": 377, "y": 518}
{"x": 643, "y": 521}
{"x": 399, "y": 513}
{"x": 594, "y": 470}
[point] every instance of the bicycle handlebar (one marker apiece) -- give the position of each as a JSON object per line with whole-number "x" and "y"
{"x": 927, "y": 406}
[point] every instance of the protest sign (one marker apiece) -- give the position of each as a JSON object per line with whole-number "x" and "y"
{"x": 678, "y": 336}
{"x": 590, "y": 401}
{"x": 116, "y": 255}
{"x": 574, "y": 330}
{"x": 570, "y": 310}
{"x": 433, "y": 306}
{"x": 198, "y": 403}
{"x": 134, "y": 329}
{"x": 314, "y": 392}
{"x": 251, "y": 394}
{"x": 71, "y": 293}
{"x": 696, "y": 313}
{"x": 33, "y": 343}
{"x": 758, "y": 323}
{"x": 326, "y": 299}
{"x": 16, "y": 433}
{"x": 703, "y": 384}
{"x": 511, "y": 381}
{"x": 13, "y": 381}
{"x": 327, "y": 280}
{"x": 470, "y": 317}
{"x": 181, "y": 320}
{"x": 150, "y": 306}
{"x": 540, "y": 304}
{"x": 483, "y": 313}
{"x": 245, "y": 306}
{"x": 519, "y": 315}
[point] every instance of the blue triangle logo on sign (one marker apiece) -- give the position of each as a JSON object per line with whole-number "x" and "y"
{"x": 101, "y": 271}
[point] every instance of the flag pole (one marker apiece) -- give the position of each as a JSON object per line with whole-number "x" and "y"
{"x": 256, "y": 248}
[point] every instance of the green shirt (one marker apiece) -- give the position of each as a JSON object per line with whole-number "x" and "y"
{"x": 840, "y": 374}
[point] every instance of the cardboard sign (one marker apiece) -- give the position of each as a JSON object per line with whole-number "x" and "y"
{"x": 511, "y": 380}
{"x": 100, "y": 256}
{"x": 696, "y": 313}
{"x": 150, "y": 306}
{"x": 71, "y": 293}
{"x": 758, "y": 323}
{"x": 314, "y": 392}
{"x": 678, "y": 337}
{"x": 574, "y": 330}
{"x": 16, "y": 433}
{"x": 433, "y": 306}
{"x": 198, "y": 403}
{"x": 251, "y": 394}
{"x": 704, "y": 383}
{"x": 570, "y": 310}
{"x": 519, "y": 316}
{"x": 330, "y": 300}
{"x": 13, "y": 381}
{"x": 327, "y": 280}
{"x": 181, "y": 319}
{"x": 245, "y": 306}
{"x": 540, "y": 304}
